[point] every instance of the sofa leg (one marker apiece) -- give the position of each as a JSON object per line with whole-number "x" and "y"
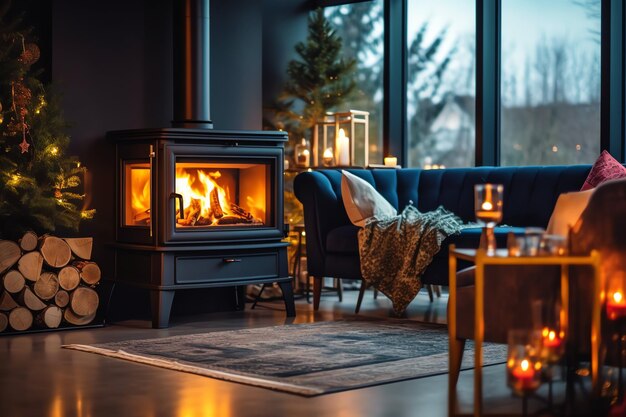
{"x": 361, "y": 294}
{"x": 429, "y": 288}
{"x": 438, "y": 290}
{"x": 317, "y": 292}
{"x": 339, "y": 287}
{"x": 456, "y": 357}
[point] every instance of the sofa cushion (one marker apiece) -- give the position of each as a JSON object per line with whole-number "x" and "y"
{"x": 567, "y": 211}
{"x": 605, "y": 168}
{"x": 362, "y": 201}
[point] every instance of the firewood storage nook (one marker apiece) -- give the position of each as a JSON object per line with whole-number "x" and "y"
{"x": 199, "y": 208}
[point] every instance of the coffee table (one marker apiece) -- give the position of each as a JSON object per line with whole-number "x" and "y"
{"x": 480, "y": 259}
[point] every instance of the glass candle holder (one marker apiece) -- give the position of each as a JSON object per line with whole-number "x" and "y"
{"x": 547, "y": 316}
{"x": 488, "y": 210}
{"x": 524, "y": 366}
{"x": 303, "y": 154}
{"x": 616, "y": 295}
{"x": 555, "y": 245}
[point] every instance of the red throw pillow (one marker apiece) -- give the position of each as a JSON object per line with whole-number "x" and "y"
{"x": 605, "y": 168}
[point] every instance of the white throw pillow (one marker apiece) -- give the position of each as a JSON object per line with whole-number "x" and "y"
{"x": 567, "y": 211}
{"x": 362, "y": 201}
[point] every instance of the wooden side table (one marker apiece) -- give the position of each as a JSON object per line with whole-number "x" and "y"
{"x": 480, "y": 259}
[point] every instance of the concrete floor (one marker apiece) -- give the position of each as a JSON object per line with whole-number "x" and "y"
{"x": 38, "y": 378}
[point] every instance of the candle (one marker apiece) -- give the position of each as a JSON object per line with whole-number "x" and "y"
{"x": 343, "y": 148}
{"x": 391, "y": 161}
{"x": 551, "y": 345}
{"x": 524, "y": 377}
{"x": 327, "y": 157}
{"x": 616, "y": 305}
{"x": 550, "y": 339}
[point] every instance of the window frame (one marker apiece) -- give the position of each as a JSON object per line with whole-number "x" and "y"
{"x": 488, "y": 77}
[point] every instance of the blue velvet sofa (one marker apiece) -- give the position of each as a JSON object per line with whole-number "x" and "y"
{"x": 530, "y": 194}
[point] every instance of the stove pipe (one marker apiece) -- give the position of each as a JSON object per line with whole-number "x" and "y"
{"x": 192, "y": 107}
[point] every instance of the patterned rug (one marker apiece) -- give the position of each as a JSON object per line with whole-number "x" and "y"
{"x": 305, "y": 359}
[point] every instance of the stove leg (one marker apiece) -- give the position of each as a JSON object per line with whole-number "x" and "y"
{"x": 290, "y": 306}
{"x": 161, "y": 303}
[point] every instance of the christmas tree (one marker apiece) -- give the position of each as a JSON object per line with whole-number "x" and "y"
{"x": 318, "y": 82}
{"x": 39, "y": 186}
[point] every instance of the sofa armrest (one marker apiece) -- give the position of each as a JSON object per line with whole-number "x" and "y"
{"x": 320, "y": 194}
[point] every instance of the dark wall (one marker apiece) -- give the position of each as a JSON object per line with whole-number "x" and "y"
{"x": 284, "y": 25}
{"x": 236, "y": 66}
{"x": 112, "y": 60}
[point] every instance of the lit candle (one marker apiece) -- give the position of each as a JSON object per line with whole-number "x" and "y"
{"x": 327, "y": 157}
{"x": 343, "y": 148}
{"x": 524, "y": 376}
{"x": 550, "y": 338}
{"x": 306, "y": 155}
{"x": 391, "y": 161}
{"x": 487, "y": 206}
{"x": 551, "y": 345}
{"x": 616, "y": 305}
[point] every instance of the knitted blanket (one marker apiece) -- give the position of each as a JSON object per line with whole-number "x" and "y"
{"x": 395, "y": 251}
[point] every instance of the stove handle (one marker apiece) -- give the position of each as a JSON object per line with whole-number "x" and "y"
{"x": 230, "y": 260}
{"x": 180, "y": 202}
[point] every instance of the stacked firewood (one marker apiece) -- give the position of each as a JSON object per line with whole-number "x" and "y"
{"x": 46, "y": 282}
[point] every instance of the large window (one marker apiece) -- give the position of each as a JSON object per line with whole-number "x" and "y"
{"x": 550, "y": 82}
{"x": 361, "y": 28}
{"x": 441, "y": 41}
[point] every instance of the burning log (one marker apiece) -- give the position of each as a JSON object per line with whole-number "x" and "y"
{"x": 218, "y": 213}
{"x": 241, "y": 212}
{"x": 142, "y": 217}
{"x": 192, "y": 213}
{"x": 233, "y": 220}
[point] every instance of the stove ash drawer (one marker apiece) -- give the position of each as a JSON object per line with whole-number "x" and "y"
{"x": 205, "y": 269}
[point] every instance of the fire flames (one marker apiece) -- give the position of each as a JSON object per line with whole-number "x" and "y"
{"x": 205, "y": 202}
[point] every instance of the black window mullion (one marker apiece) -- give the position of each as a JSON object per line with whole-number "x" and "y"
{"x": 394, "y": 101}
{"x": 612, "y": 109}
{"x": 488, "y": 18}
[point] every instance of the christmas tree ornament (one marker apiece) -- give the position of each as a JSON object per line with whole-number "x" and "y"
{"x": 24, "y": 146}
{"x": 30, "y": 55}
{"x": 21, "y": 94}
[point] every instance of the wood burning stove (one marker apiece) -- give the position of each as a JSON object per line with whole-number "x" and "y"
{"x": 196, "y": 207}
{"x": 199, "y": 208}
